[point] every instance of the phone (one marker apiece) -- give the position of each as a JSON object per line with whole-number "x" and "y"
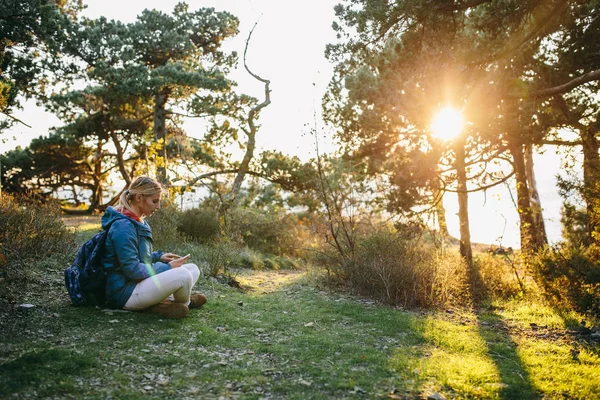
{"x": 186, "y": 256}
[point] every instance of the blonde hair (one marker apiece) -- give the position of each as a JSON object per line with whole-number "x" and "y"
{"x": 143, "y": 185}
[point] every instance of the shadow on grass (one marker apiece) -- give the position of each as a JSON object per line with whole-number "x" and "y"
{"x": 501, "y": 348}
{"x": 39, "y": 370}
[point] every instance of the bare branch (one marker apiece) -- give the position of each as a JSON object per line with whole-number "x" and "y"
{"x": 250, "y": 145}
{"x": 14, "y": 118}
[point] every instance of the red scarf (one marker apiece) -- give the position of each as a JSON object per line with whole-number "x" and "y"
{"x": 131, "y": 215}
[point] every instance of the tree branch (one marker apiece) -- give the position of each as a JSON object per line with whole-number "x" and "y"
{"x": 568, "y": 86}
{"x": 14, "y": 118}
{"x": 562, "y": 142}
{"x": 244, "y": 165}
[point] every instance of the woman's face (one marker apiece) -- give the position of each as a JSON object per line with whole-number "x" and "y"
{"x": 149, "y": 204}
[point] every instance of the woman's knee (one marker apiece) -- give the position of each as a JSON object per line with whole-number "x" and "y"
{"x": 183, "y": 274}
{"x": 193, "y": 269}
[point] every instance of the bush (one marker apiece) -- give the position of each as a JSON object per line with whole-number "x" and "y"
{"x": 199, "y": 224}
{"x": 164, "y": 225}
{"x": 570, "y": 276}
{"x": 29, "y": 232}
{"x": 220, "y": 257}
{"x": 270, "y": 232}
{"x": 495, "y": 279}
{"x": 250, "y": 259}
{"x": 404, "y": 271}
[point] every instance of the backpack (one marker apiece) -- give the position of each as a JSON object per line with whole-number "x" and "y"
{"x": 85, "y": 279}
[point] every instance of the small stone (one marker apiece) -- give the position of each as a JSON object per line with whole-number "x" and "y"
{"x": 358, "y": 389}
{"x": 222, "y": 329}
{"x": 436, "y": 396}
{"x": 305, "y": 383}
{"x": 148, "y": 387}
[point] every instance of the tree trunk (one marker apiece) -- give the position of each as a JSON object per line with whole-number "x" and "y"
{"x": 534, "y": 198}
{"x": 527, "y": 226}
{"x": 120, "y": 158}
{"x": 591, "y": 184}
{"x": 160, "y": 134}
{"x": 463, "y": 205}
{"x": 96, "y": 199}
{"x": 441, "y": 216}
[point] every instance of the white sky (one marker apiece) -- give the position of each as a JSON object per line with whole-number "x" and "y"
{"x": 287, "y": 48}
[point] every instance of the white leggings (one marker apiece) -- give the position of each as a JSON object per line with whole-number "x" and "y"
{"x": 176, "y": 284}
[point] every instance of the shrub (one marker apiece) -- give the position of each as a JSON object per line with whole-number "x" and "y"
{"x": 220, "y": 257}
{"x": 199, "y": 224}
{"x": 404, "y": 271}
{"x": 570, "y": 276}
{"x": 495, "y": 278}
{"x": 29, "y": 232}
{"x": 270, "y": 232}
{"x": 250, "y": 259}
{"x": 164, "y": 225}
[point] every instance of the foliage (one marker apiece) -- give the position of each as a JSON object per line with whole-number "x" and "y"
{"x": 47, "y": 165}
{"x": 220, "y": 257}
{"x": 570, "y": 276}
{"x": 199, "y": 224}
{"x": 30, "y": 231}
{"x": 29, "y": 33}
{"x": 270, "y": 231}
{"x": 164, "y": 225}
{"x": 183, "y": 68}
{"x": 404, "y": 271}
{"x": 495, "y": 277}
{"x": 397, "y": 64}
{"x": 575, "y": 223}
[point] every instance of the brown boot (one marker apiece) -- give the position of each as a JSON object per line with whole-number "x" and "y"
{"x": 169, "y": 310}
{"x": 197, "y": 300}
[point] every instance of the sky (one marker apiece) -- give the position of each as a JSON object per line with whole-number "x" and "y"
{"x": 287, "y": 47}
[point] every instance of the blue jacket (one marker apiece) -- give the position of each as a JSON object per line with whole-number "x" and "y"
{"x": 128, "y": 256}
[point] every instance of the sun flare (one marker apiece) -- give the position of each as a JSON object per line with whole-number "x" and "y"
{"x": 447, "y": 123}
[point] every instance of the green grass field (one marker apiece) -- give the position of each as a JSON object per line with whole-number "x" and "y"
{"x": 288, "y": 337}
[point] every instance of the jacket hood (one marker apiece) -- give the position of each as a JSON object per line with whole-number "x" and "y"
{"x": 111, "y": 215}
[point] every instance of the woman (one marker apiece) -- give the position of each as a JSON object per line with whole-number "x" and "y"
{"x": 141, "y": 279}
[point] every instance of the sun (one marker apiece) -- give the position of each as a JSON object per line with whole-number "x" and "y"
{"x": 447, "y": 123}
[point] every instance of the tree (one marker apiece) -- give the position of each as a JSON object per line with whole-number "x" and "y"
{"x": 48, "y": 165}
{"x": 567, "y": 80}
{"x": 397, "y": 63}
{"x": 173, "y": 59}
{"x": 29, "y": 32}
{"x": 115, "y": 127}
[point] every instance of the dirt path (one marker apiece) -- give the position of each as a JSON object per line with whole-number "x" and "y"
{"x": 267, "y": 281}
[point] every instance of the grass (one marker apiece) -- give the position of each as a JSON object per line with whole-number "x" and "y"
{"x": 288, "y": 337}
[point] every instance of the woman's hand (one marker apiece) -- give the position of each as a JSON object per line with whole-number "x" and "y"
{"x": 179, "y": 261}
{"x": 167, "y": 257}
